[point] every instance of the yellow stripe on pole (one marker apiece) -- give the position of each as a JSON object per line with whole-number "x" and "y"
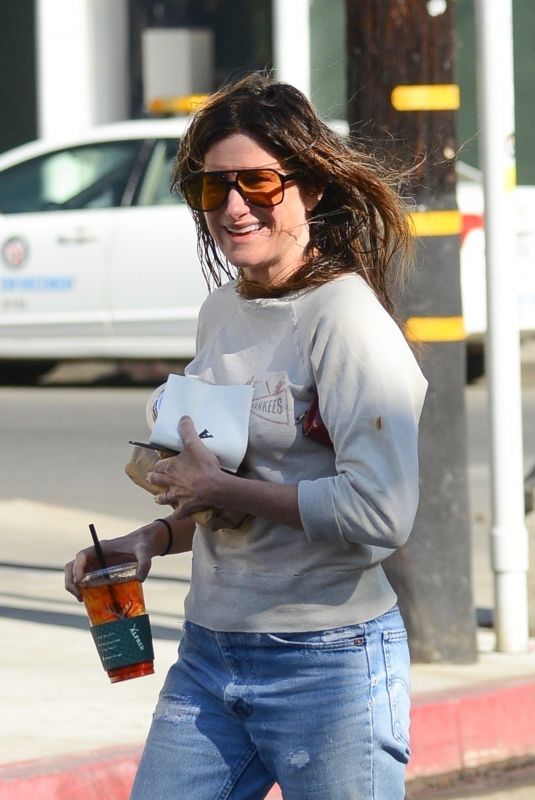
{"x": 426, "y": 97}
{"x": 435, "y": 329}
{"x": 435, "y": 223}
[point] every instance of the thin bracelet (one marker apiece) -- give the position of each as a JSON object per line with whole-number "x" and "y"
{"x": 169, "y": 534}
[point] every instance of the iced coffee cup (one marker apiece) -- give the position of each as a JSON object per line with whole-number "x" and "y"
{"x": 120, "y": 626}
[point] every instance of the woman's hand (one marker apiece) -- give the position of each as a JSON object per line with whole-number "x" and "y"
{"x": 190, "y": 478}
{"x": 139, "y": 546}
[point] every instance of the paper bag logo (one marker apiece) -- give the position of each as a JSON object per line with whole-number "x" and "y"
{"x": 270, "y": 400}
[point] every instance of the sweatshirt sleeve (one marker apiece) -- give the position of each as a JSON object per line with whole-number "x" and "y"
{"x": 371, "y": 393}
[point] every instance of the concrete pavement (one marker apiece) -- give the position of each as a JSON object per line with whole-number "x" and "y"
{"x": 67, "y": 733}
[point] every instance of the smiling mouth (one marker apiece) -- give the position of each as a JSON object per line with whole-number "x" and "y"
{"x": 243, "y": 231}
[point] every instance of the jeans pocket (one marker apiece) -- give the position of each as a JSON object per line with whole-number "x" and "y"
{"x": 328, "y": 640}
{"x": 397, "y": 665}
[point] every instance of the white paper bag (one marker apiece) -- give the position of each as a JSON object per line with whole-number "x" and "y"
{"x": 220, "y": 414}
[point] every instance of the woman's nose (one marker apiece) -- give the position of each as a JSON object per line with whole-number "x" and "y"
{"x": 236, "y": 203}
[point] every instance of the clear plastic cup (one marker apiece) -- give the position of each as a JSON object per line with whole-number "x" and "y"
{"x": 120, "y": 626}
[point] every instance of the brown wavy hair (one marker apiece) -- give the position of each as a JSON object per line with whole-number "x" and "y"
{"x": 360, "y": 223}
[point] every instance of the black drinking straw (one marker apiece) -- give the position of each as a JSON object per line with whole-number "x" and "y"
{"x": 98, "y": 548}
{"x": 103, "y": 564}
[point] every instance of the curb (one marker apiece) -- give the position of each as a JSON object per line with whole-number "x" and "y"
{"x": 101, "y": 773}
{"x": 449, "y": 733}
{"x": 472, "y": 728}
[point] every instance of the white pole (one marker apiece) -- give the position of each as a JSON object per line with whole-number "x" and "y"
{"x": 509, "y": 539}
{"x": 291, "y": 42}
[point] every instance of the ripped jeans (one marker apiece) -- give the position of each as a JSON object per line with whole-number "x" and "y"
{"x": 323, "y": 714}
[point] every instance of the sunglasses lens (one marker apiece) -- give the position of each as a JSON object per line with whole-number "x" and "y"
{"x": 262, "y": 187}
{"x": 214, "y": 191}
{"x": 205, "y": 192}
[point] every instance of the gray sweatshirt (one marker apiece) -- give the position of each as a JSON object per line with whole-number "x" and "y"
{"x": 357, "y": 502}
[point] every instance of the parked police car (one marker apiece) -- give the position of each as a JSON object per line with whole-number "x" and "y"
{"x": 99, "y": 260}
{"x": 521, "y": 265}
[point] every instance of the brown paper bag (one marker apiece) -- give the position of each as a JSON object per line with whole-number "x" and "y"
{"x": 142, "y": 462}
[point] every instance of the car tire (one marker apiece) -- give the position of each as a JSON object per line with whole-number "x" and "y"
{"x": 24, "y": 372}
{"x": 475, "y": 362}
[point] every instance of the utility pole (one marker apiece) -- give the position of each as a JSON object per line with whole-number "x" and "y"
{"x": 402, "y": 95}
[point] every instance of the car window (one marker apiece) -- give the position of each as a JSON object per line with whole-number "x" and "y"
{"x": 89, "y": 176}
{"x": 156, "y": 182}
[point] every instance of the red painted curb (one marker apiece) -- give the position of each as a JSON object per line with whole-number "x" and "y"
{"x": 472, "y": 729}
{"x": 447, "y": 734}
{"x": 102, "y": 773}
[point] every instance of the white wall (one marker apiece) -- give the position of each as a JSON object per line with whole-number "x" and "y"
{"x": 291, "y": 42}
{"x": 82, "y": 64}
{"x": 176, "y": 62}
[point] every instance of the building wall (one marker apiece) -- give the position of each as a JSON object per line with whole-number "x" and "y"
{"x": 17, "y": 73}
{"x": 242, "y": 35}
{"x": 243, "y": 42}
{"x": 328, "y": 57}
{"x": 82, "y": 65}
{"x": 524, "y": 44}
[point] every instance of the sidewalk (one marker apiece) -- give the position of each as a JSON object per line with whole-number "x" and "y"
{"x": 67, "y": 734}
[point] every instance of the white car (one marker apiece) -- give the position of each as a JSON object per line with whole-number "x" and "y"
{"x": 522, "y": 263}
{"x": 99, "y": 260}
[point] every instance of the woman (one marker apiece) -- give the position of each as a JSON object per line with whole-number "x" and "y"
{"x": 293, "y": 666}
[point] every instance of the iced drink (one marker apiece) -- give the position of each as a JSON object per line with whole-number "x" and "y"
{"x": 120, "y": 626}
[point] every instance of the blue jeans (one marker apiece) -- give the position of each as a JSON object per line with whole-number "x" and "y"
{"x": 323, "y": 714}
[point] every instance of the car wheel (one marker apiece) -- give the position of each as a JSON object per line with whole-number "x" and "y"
{"x": 23, "y": 372}
{"x": 475, "y": 362}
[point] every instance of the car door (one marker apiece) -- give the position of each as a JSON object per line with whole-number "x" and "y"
{"x": 157, "y": 285}
{"x": 56, "y": 219}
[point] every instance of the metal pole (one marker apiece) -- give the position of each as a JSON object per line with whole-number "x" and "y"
{"x": 291, "y": 42}
{"x": 509, "y": 539}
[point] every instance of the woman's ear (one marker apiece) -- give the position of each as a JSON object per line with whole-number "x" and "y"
{"x": 312, "y": 196}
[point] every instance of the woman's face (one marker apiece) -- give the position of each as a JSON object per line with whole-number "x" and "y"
{"x": 265, "y": 243}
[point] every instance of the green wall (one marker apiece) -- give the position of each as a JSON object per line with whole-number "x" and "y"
{"x": 17, "y": 73}
{"x": 251, "y": 18}
{"x": 524, "y": 49}
{"x": 328, "y": 57}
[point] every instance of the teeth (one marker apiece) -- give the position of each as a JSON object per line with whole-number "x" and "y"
{"x": 247, "y": 229}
